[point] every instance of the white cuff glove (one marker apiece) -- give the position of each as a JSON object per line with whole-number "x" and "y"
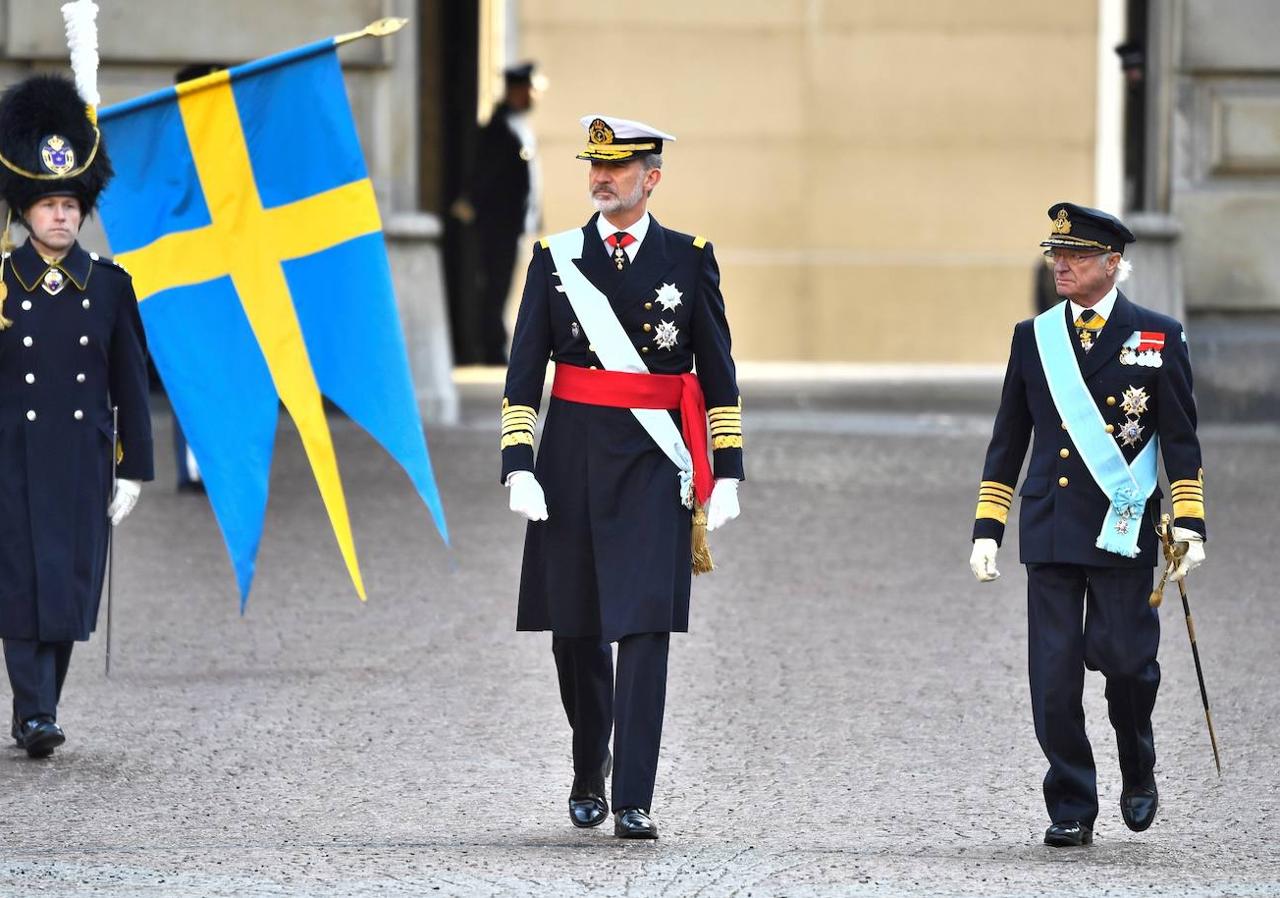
{"x": 1194, "y": 556}
{"x": 527, "y": 497}
{"x": 722, "y": 507}
{"x": 123, "y": 499}
{"x": 983, "y": 560}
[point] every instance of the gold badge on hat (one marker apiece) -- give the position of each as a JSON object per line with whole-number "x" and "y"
{"x": 57, "y": 155}
{"x": 599, "y": 132}
{"x": 1062, "y": 224}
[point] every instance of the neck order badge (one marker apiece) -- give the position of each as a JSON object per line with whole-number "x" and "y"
{"x": 243, "y": 210}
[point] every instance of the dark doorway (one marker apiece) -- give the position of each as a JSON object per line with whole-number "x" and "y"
{"x": 1134, "y": 58}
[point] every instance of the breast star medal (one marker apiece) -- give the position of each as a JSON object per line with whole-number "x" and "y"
{"x": 669, "y": 297}
{"x": 1130, "y": 433}
{"x": 665, "y": 336}
{"x": 1134, "y": 401}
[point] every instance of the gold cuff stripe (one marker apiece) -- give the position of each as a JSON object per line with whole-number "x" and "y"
{"x": 985, "y": 496}
{"x": 1188, "y": 492}
{"x": 715, "y": 409}
{"x": 1178, "y": 484}
{"x": 517, "y": 439}
{"x": 734, "y": 423}
{"x": 726, "y": 442}
{"x": 519, "y": 419}
{"x": 1188, "y": 508}
{"x": 991, "y": 510}
{"x": 997, "y": 487}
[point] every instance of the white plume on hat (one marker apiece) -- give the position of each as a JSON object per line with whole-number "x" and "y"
{"x": 81, "y": 18}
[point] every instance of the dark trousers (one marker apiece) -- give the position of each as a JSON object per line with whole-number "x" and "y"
{"x": 37, "y": 671}
{"x": 497, "y": 253}
{"x": 1080, "y": 617}
{"x": 631, "y": 705}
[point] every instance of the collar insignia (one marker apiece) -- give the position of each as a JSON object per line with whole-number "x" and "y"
{"x": 53, "y": 282}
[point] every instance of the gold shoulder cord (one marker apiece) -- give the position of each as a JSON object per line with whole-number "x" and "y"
{"x": 6, "y": 247}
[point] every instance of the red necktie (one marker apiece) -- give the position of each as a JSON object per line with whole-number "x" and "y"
{"x": 616, "y": 242}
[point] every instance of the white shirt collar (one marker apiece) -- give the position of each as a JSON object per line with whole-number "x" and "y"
{"x": 637, "y": 230}
{"x": 1103, "y": 308}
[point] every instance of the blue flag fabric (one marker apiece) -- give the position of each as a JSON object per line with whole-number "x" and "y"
{"x": 243, "y": 209}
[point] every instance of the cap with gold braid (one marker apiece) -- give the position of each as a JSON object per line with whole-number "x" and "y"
{"x": 611, "y": 139}
{"x": 1082, "y": 228}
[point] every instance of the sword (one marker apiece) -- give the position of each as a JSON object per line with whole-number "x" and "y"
{"x": 111, "y": 542}
{"x": 1173, "y": 556}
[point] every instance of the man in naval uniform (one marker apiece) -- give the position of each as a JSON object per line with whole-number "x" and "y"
{"x": 71, "y": 351}
{"x": 1104, "y": 385}
{"x": 627, "y": 309}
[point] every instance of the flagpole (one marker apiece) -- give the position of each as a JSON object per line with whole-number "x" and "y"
{"x": 380, "y": 28}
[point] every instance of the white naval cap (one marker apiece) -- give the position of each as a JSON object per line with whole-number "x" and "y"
{"x": 611, "y": 139}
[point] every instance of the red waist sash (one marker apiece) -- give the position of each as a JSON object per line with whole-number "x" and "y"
{"x": 623, "y": 389}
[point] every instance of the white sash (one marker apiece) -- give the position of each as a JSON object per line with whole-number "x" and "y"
{"x": 615, "y": 349}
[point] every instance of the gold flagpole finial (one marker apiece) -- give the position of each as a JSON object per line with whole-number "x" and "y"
{"x": 380, "y": 28}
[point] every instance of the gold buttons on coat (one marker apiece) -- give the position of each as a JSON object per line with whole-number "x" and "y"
{"x": 591, "y": 347}
{"x": 1062, "y": 481}
{"x": 1111, "y": 428}
{"x": 1064, "y": 425}
{"x": 1111, "y": 400}
{"x": 647, "y": 327}
{"x": 644, "y": 348}
{"x": 1064, "y": 453}
{"x": 648, "y": 307}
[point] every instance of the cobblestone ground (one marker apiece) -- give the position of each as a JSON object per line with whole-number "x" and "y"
{"x": 848, "y": 716}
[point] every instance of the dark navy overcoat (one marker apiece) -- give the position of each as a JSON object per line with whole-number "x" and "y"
{"x": 614, "y": 557}
{"x": 68, "y": 357}
{"x": 1062, "y": 507}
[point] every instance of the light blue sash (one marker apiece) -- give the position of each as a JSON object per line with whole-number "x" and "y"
{"x": 1128, "y": 487}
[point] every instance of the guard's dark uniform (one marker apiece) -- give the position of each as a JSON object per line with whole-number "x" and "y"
{"x": 612, "y": 562}
{"x": 500, "y": 192}
{"x": 66, "y": 360}
{"x": 1061, "y": 513}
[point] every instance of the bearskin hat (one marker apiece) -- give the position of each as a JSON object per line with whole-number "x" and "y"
{"x": 46, "y": 132}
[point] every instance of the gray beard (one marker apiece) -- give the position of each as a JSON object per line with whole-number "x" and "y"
{"x": 617, "y": 204}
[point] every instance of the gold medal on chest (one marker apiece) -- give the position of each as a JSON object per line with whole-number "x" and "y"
{"x": 53, "y": 282}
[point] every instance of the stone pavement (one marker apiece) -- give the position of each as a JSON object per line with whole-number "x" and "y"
{"x": 848, "y": 716}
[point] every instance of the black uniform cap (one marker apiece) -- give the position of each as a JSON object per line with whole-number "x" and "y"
{"x": 1079, "y": 227}
{"x": 49, "y": 145}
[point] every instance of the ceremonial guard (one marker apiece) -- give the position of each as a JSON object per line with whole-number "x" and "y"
{"x": 72, "y": 365}
{"x": 623, "y": 490}
{"x": 1104, "y": 385}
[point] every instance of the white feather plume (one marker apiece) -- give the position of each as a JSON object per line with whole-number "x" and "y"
{"x": 81, "y": 18}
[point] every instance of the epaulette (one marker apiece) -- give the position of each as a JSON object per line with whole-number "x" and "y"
{"x": 699, "y": 242}
{"x": 112, "y": 262}
{"x": 545, "y": 243}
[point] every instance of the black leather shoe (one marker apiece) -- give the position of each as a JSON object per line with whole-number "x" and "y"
{"x": 40, "y": 736}
{"x": 1138, "y": 805}
{"x": 587, "y": 805}
{"x": 1070, "y": 834}
{"x": 634, "y": 823}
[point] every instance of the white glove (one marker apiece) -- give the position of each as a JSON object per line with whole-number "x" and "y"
{"x": 1194, "y": 556}
{"x": 722, "y": 507}
{"x": 527, "y": 497}
{"x": 983, "y": 560}
{"x": 123, "y": 499}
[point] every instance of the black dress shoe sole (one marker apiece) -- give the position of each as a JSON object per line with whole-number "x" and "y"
{"x": 593, "y": 825}
{"x": 1143, "y": 827}
{"x": 635, "y": 834}
{"x": 42, "y": 746}
{"x": 1068, "y": 841}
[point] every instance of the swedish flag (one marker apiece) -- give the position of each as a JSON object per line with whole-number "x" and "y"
{"x": 243, "y": 209}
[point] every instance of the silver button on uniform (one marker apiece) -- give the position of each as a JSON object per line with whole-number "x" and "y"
{"x": 84, "y": 341}
{"x": 31, "y": 378}
{"x": 85, "y": 303}
{"x": 26, "y": 305}
{"x": 31, "y": 415}
{"x": 79, "y": 378}
{"x": 27, "y": 341}
{"x": 78, "y": 414}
